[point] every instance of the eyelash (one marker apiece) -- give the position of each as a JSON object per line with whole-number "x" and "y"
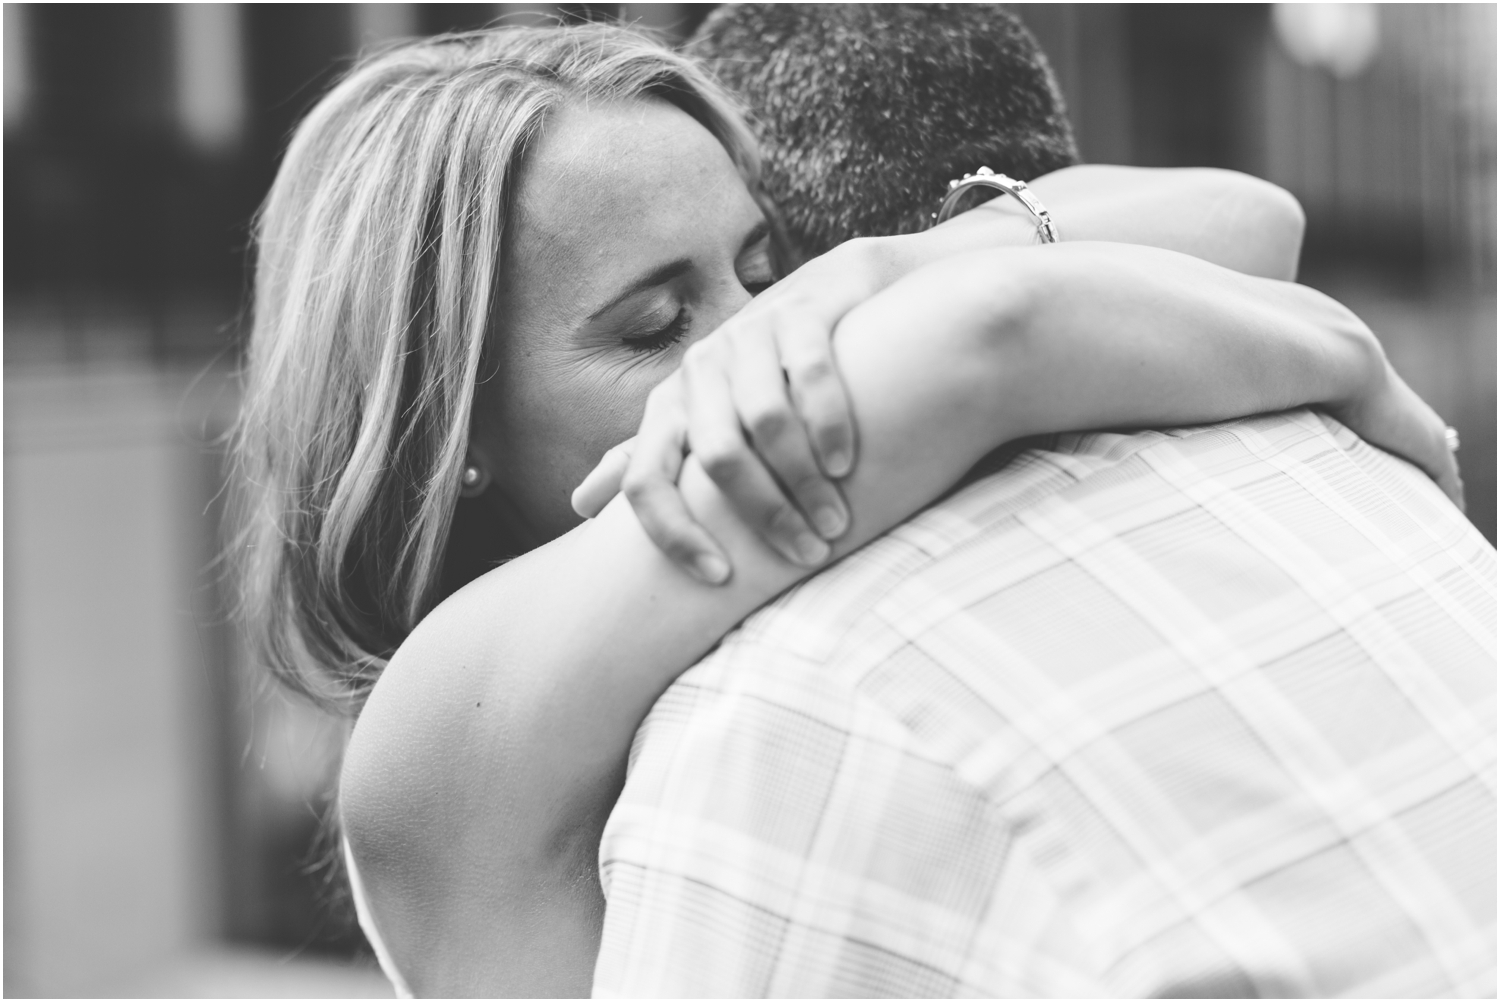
{"x": 661, "y": 339}
{"x": 665, "y": 337}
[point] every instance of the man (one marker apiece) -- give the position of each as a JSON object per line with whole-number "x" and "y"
{"x": 1201, "y": 712}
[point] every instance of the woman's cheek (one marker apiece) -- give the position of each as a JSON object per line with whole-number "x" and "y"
{"x": 612, "y": 411}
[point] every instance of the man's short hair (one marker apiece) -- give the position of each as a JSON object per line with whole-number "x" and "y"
{"x": 865, "y": 111}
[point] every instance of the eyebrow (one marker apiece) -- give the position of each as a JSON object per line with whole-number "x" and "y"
{"x": 672, "y": 269}
{"x": 657, "y": 276}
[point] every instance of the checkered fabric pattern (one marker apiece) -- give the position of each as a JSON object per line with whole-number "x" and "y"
{"x": 1202, "y": 712}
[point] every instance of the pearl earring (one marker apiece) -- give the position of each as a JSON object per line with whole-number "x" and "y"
{"x": 472, "y": 481}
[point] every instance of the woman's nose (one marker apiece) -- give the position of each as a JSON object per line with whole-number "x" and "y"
{"x": 731, "y": 298}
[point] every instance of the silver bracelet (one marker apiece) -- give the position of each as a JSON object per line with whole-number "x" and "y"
{"x": 986, "y": 178}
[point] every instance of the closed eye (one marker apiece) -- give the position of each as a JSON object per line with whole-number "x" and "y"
{"x": 661, "y": 338}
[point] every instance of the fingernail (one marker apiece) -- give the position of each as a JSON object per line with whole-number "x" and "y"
{"x": 830, "y": 521}
{"x": 810, "y": 548}
{"x": 712, "y": 569}
{"x": 837, "y": 463}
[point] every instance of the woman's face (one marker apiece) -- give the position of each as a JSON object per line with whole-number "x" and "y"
{"x": 633, "y": 236}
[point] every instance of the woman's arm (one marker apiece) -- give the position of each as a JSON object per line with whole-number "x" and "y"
{"x": 1224, "y": 217}
{"x": 490, "y": 753}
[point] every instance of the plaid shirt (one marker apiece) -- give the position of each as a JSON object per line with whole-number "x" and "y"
{"x": 1203, "y": 712}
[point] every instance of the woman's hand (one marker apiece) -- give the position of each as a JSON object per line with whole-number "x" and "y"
{"x": 760, "y": 403}
{"x": 1389, "y": 414}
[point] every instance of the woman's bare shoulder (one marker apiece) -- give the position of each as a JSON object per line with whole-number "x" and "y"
{"x": 406, "y": 794}
{"x": 423, "y": 739}
{"x": 490, "y": 753}
{"x": 415, "y": 711}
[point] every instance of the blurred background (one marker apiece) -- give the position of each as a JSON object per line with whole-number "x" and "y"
{"x": 160, "y": 799}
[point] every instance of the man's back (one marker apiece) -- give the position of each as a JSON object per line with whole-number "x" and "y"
{"x": 1202, "y": 712}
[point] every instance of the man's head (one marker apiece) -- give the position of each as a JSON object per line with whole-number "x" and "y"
{"x": 865, "y": 112}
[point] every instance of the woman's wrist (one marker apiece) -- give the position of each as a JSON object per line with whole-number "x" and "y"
{"x": 1364, "y": 382}
{"x": 883, "y": 261}
{"x": 1343, "y": 353}
{"x": 1000, "y": 222}
{"x": 842, "y": 278}
{"x": 976, "y": 313}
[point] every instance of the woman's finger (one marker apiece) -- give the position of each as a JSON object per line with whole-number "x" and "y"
{"x": 776, "y": 430}
{"x": 718, "y": 442}
{"x": 603, "y": 481}
{"x": 1447, "y": 475}
{"x": 1431, "y": 447}
{"x": 805, "y": 344}
{"x": 650, "y": 484}
{"x": 1394, "y": 418}
{"x": 1453, "y": 486}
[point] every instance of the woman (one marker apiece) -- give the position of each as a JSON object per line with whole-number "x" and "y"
{"x": 484, "y": 259}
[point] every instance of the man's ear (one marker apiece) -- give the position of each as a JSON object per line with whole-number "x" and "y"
{"x": 786, "y": 256}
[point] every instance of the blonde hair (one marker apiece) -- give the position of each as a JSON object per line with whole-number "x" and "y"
{"x": 378, "y": 252}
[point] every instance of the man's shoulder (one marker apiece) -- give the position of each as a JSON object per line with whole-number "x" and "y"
{"x": 1081, "y": 663}
{"x": 805, "y": 661}
{"x": 1111, "y": 473}
{"x": 1063, "y": 552}
{"x": 827, "y": 618}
